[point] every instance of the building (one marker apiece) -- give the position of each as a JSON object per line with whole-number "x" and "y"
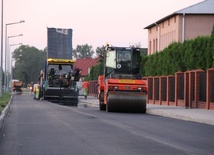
{"x": 188, "y": 23}
{"x": 85, "y": 65}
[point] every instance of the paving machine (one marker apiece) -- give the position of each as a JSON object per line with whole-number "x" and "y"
{"x": 122, "y": 88}
{"x": 61, "y": 80}
{"x": 59, "y": 77}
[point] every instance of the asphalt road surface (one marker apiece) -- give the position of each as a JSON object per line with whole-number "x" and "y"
{"x": 44, "y": 128}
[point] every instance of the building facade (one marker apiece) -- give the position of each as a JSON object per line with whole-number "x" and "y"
{"x": 188, "y": 23}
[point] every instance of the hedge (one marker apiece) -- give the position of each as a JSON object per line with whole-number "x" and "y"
{"x": 192, "y": 54}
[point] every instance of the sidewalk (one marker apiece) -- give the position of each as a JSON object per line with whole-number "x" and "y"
{"x": 195, "y": 115}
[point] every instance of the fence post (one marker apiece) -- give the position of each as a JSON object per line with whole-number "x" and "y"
{"x": 209, "y": 84}
{"x": 147, "y": 98}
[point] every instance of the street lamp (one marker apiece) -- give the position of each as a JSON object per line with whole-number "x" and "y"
{"x": 21, "y": 21}
{"x": 11, "y": 64}
{"x": 1, "y": 68}
{"x": 6, "y": 79}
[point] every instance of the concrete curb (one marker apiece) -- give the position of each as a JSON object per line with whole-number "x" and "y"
{"x": 4, "y": 113}
{"x": 193, "y": 115}
{"x": 181, "y": 113}
{"x": 180, "y": 117}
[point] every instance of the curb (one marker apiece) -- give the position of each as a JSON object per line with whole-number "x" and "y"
{"x": 177, "y": 113}
{"x": 180, "y": 117}
{"x": 4, "y": 113}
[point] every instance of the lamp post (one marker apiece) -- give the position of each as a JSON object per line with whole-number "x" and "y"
{"x": 11, "y": 64}
{"x": 22, "y": 21}
{"x": 1, "y": 68}
{"x": 7, "y": 79}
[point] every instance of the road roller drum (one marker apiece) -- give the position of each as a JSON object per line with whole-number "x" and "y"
{"x": 126, "y": 102}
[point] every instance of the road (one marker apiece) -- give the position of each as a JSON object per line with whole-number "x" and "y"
{"x": 44, "y": 128}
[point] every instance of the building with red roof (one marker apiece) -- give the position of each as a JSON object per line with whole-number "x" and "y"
{"x": 85, "y": 65}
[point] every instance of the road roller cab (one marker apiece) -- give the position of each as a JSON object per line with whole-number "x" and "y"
{"x": 122, "y": 88}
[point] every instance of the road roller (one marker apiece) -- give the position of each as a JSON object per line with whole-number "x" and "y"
{"x": 121, "y": 87}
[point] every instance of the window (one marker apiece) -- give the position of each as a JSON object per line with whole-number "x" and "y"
{"x": 168, "y": 22}
{"x": 163, "y": 25}
{"x": 156, "y": 44}
{"x": 175, "y": 19}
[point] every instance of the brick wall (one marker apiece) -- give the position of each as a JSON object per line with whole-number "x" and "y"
{"x": 190, "y": 89}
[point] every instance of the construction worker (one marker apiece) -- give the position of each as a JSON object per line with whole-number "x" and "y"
{"x": 34, "y": 91}
{"x": 37, "y": 91}
{"x": 85, "y": 86}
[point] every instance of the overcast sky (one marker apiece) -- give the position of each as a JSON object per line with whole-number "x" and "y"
{"x": 94, "y": 22}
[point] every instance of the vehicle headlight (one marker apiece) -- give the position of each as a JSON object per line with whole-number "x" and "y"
{"x": 115, "y": 87}
{"x": 139, "y": 88}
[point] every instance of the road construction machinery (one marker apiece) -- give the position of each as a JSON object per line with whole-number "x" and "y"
{"x": 17, "y": 86}
{"x": 61, "y": 80}
{"x": 59, "y": 77}
{"x": 121, "y": 87}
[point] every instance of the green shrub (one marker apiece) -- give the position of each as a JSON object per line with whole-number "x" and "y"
{"x": 192, "y": 54}
{"x": 4, "y": 100}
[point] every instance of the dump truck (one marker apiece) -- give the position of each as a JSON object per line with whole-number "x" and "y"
{"x": 59, "y": 77}
{"x": 121, "y": 87}
{"x": 17, "y": 86}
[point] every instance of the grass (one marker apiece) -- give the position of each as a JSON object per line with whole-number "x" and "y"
{"x": 4, "y": 100}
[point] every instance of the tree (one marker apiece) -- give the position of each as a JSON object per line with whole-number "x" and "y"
{"x": 136, "y": 45}
{"x": 28, "y": 63}
{"x": 212, "y": 33}
{"x": 100, "y": 53}
{"x": 83, "y": 51}
{"x": 98, "y": 69}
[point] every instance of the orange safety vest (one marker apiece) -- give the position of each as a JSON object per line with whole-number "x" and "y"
{"x": 85, "y": 85}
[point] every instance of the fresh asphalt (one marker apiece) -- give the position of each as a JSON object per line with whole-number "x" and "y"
{"x": 195, "y": 115}
{"x": 41, "y": 127}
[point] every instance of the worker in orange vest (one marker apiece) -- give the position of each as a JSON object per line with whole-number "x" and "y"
{"x": 85, "y": 86}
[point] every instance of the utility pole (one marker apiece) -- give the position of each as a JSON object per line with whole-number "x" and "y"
{"x": 1, "y": 68}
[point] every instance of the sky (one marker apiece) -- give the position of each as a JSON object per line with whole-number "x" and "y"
{"x": 94, "y": 22}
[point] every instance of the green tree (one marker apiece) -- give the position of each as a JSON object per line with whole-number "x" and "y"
{"x": 94, "y": 73}
{"x": 100, "y": 53}
{"x": 28, "y": 63}
{"x": 83, "y": 51}
{"x": 212, "y": 33}
{"x": 136, "y": 45}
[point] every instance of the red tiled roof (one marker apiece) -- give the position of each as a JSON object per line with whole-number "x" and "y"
{"x": 84, "y": 65}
